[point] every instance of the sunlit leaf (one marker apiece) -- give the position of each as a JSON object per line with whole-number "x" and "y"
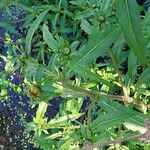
{"x": 61, "y": 121}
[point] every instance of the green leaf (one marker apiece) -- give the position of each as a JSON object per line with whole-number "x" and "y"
{"x": 145, "y": 77}
{"x": 133, "y": 120}
{"x": 8, "y": 27}
{"x": 97, "y": 45}
{"x": 132, "y": 63}
{"x": 40, "y": 112}
{"x": 85, "y": 26}
{"x": 74, "y": 106}
{"x": 32, "y": 29}
{"x": 128, "y": 14}
{"x": 67, "y": 145}
{"x": 146, "y": 21}
{"x": 111, "y": 119}
{"x": 136, "y": 123}
{"x": 44, "y": 143}
{"x": 101, "y": 137}
{"x": 61, "y": 121}
{"x": 72, "y": 93}
{"x": 48, "y": 38}
{"x": 86, "y": 73}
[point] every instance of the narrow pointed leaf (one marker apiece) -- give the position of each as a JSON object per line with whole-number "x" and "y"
{"x": 85, "y": 26}
{"x": 97, "y": 45}
{"x": 87, "y": 74}
{"x": 146, "y": 21}
{"x": 111, "y": 119}
{"x": 32, "y": 29}
{"x": 61, "y": 121}
{"x": 128, "y": 14}
{"x": 48, "y": 38}
{"x": 133, "y": 120}
{"x": 44, "y": 143}
{"x": 145, "y": 77}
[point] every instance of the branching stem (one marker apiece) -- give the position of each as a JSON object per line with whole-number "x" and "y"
{"x": 96, "y": 95}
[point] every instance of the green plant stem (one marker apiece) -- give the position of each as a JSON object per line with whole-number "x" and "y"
{"x": 93, "y": 94}
{"x": 64, "y": 70}
{"x": 89, "y": 121}
{"x": 125, "y": 90}
{"x": 97, "y": 95}
{"x": 107, "y": 143}
{"x": 145, "y": 137}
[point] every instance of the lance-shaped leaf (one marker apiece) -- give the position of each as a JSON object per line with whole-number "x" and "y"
{"x": 97, "y": 45}
{"x": 110, "y": 119}
{"x": 146, "y": 21}
{"x": 32, "y": 29}
{"x": 128, "y": 14}
{"x": 86, "y": 73}
{"x": 144, "y": 78}
{"x": 85, "y": 26}
{"x": 62, "y": 121}
{"x": 40, "y": 112}
{"x": 48, "y": 38}
{"x": 118, "y": 114}
{"x": 44, "y": 143}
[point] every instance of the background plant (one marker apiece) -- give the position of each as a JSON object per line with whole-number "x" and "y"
{"x": 79, "y": 49}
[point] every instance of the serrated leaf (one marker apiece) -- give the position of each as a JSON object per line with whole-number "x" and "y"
{"x": 48, "y": 38}
{"x": 128, "y": 14}
{"x": 111, "y": 119}
{"x": 97, "y": 45}
{"x": 87, "y": 74}
{"x": 136, "y": 123}
{"x": 72, "y": 93}
{"x": 133, "y": 121}
{"x": 44, "y": 143}
{"x": 67, "y": 145}
{"x": 32, "y": 29}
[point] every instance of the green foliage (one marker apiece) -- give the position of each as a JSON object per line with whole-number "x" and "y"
{"x": 32, "y": 29}
{"x": 98, "y": 46}
{"x": 78, "y": 49}
{"x": 129, "y": 19}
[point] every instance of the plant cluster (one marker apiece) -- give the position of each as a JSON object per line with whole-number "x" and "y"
{"x": 82, "y": 49}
